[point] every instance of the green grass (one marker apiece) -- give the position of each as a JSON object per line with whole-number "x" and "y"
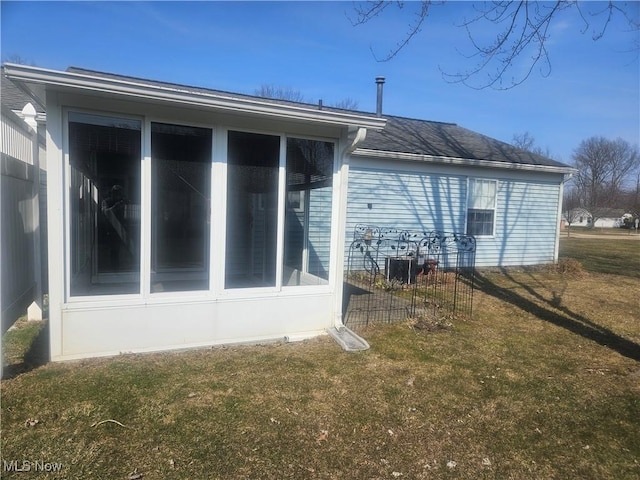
{"x": 543, "y": 383}
{"x": 601, "y": 231}
{"x": 601, "y": 255}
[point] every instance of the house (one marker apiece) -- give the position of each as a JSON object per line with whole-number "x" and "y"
{"x": 427, "y": 176}
{"x": 606, "y": 218}
{"x": 183, "y": 217}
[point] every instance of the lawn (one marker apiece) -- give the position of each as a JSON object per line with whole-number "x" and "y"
{"x": 543, "y": 383}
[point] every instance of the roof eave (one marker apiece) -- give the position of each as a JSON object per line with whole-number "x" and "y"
{"x": 465, "y": 162}
{"x": 25, "y": 75}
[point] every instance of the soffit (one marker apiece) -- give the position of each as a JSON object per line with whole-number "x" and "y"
{"x": 36, "y": 81}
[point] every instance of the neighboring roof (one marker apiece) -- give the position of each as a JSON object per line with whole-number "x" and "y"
{"x": 609, "y": 213}
{"x": 427, "y": 140}
{"x": 13, "y": 97}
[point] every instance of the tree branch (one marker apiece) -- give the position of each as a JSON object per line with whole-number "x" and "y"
{"x": 525, "y": 29}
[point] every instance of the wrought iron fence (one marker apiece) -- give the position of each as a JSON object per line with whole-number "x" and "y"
{"x": 393, "y": 274}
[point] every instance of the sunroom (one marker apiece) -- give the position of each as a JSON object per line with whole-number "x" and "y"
{"x": 181, "y": 217}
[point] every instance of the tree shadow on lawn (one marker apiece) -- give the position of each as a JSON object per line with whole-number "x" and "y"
{"x": 564, "y": 317}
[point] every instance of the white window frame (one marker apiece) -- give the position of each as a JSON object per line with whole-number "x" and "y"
{"x": 218, "y": 216}
{"x": 470, "y": 182}
{"x": 279, "y": 287}
{"x": 148, "y": 232}
{"x": 83, "y": 299}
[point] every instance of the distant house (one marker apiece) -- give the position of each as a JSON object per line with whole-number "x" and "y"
{"x": 180, "y": 216}
{"x": 606, "y": 218}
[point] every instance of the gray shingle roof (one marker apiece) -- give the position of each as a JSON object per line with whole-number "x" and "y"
{"x": 422, "y": 137}
{"x": 13, "y": 97}
{"x": 401, "y": 135}
{"x": 186, "y": 88}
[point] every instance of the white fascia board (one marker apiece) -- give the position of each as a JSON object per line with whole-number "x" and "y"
{"x": 218, "y": 101}
{"x": 464, "y": 162}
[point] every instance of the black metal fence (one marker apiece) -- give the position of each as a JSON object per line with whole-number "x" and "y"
{"x": 393, "y": 274}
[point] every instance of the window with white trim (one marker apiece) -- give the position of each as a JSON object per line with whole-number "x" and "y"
{"x": 279, "y": 208}
{"x": 104, "y": 204}
{"x": 481, "y": 206}
{"x": 181, "y": 195}
{"x": 254, "y": 210}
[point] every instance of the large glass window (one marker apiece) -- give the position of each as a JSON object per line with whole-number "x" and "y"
{"x": 481, "y": 204}
{"x": 276, "y": 192}
{"x": 307, "y": 239}
{"x": 181, "y": 195}
{"x": 252, "y": 210}
{"x": 104, "y": 201}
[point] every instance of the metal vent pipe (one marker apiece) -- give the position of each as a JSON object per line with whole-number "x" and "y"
{"x": 380, "y": 83}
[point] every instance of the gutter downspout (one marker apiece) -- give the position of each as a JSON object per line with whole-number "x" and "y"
{"x": 565, "y": 178}
{"x": 348, "y": 340}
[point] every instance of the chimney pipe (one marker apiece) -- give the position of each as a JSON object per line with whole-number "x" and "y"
{"x": 380, "y": 83}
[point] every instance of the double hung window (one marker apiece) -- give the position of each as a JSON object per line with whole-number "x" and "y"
{"x": 481, "y": 206}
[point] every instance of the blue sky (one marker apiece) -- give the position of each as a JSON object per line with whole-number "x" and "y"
{"x": 593, "y": 87}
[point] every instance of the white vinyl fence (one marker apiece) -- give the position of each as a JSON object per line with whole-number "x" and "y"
{"x": 20, "y": 229}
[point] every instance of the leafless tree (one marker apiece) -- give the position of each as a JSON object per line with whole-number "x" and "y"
{"x": 630, "y": 199}
{"x": 280, "y": 93}
{"x": 522, "y": 30}
{"x": 571, "y": 208}
{"x": 346, "y": 104}
{"x": 295, "y": 95}
{"x": 526, "y": 141}
{"x": 18, "y": 59}
{"x": 606, "y": 169}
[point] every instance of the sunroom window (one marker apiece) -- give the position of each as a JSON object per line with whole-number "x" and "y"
{"x": 180, "y": 207}
{"x": 481, "y": 204}
{"x": 279, "y": 208}
{"x": 252, "y": 210}
{"x": 104, "y": 204}
{"x": 308, "y": 212}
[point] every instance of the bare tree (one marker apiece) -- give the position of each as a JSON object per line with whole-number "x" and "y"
{"x": 295, "y": 95}
{"x": 571, "y": 210}
{"x": 526, "y": 141}
{"x": 606, "y": 168}
{"x": 346, "y": 104}
{"x": 280, "y": 93}
{"x": 19, "y": 59}
{"x": 523, "y": 30}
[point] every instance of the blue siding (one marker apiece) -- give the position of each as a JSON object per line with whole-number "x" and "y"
{"x": 526, "y": 225}
{"x": 526, "y": 213}
{"x": 406, "y": 200}
{"x": 320, "y": 231}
